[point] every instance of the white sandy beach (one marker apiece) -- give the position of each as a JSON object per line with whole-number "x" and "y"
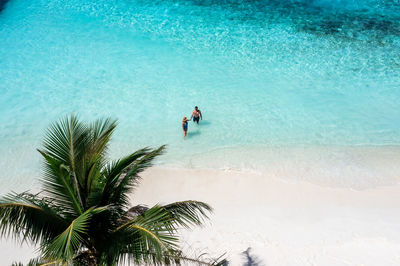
{"x": 279, "y": 223}
{"x": 283, "y": 223}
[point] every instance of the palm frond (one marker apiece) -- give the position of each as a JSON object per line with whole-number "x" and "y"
{"x": 25, "y": 216}
{"x": 115, "y": 169}
{"x": 57, "y": 184}
{"x": 130, "y": 179}
{"x": 66, "y": 244}
{"x": 110, "y": 176}
{"x": 68, "y": 142}
{"x": 121, "y": 177}
{"x": 188, "y": 213}
{"x": 148, "y": 237}
{"x": 100, "y": 133}
{"x": 65, "y": 141}
{"x": 146, "y": 161}
{"x": 160, "y": 227}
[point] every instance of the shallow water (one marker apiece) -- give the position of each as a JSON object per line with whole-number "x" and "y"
{"x": 264, "y": 73}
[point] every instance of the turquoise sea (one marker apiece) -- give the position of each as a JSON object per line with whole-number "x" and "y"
{"x": 313, "y": 77}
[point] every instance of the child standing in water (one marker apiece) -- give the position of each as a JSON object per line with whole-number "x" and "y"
{"x": 185, "y": 126}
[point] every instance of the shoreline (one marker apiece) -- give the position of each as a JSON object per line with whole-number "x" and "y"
{"x": 355, "y": 167}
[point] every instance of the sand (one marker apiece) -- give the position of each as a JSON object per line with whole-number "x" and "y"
{"x": 279, "y": 223}
{"x": 268, "y": 221}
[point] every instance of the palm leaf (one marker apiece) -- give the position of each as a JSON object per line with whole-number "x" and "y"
{"x": 148, "y": 237}
{"x": 121, "y": 177}
{"x": 26, "y": 216}
{"x": 101, "y": 132}
{"x": 66, "y": 244}
{"x": 67, "y": 142}
{"x": 188, "y": 213}
{"x": 114, "y": 170}
{"x": 110, "y": 177}
{"x": 57, "y": 184}
{"x": 127, "y": 182}
{"x": 156, "y": 229}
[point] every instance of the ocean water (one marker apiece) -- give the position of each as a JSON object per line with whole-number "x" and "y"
{"x": 296, "y": 79}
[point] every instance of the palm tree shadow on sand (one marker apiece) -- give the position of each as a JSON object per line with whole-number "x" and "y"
{"x": 251, "y": 260}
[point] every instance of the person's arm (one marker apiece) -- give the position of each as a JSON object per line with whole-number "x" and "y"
{"x": 191, "y": 117}
{"x": 200, "y": 115}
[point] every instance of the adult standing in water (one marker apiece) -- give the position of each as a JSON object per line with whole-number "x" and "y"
{"x": 196, "y": 115}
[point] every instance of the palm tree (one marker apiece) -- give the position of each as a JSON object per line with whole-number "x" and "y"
{"x": 82, "y": 214}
